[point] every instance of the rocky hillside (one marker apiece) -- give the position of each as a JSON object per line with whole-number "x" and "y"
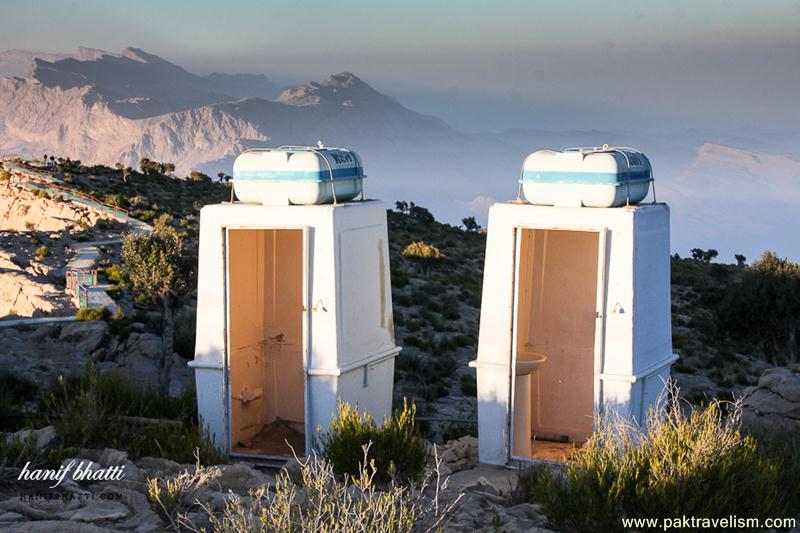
{"x": 38, "y": 234}
{"x": 437, "y": 303}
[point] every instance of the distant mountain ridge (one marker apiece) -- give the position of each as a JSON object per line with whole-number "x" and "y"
{"x": 137, "y": 84}
{"x": 732, "y": 193}
{"x": 107, "y": 107}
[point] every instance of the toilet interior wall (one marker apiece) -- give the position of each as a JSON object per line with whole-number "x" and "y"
{"x": 265, "y": 328}
{"x": 556, "y": 317}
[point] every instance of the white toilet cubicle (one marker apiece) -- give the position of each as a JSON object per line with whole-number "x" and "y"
{"x": 575, "y": 323}
{"x": 294, "y": 303}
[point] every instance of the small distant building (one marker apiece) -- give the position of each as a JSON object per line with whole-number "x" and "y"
{"x": 294, "y": 303}
{"x": 575, "y": 315}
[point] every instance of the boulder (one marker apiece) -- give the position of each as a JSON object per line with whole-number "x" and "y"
{"x": 24, "y": 295}
{"x": 57, "y": 526}
{"x": 773, "y": 406}
{"x": 144, "y": 345}
{"x": 99, "y": 510}
{"x": 241, "y": 478}
{"x": 87, "y": 336}
{"x": 142, "y": 518}
{"x": 46, "y": 331}
{"x": 10, "y": 517}
{"x": 44, "y": 436}
{"x": 112, "y": 457}
{"x": 465, "y": 448}
{"x": 156, "y": 467}
{"x": 460, "y": 454}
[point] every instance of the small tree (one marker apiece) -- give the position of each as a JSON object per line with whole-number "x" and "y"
{"x": 420, "y": 213}
{"x": 704, "y": 256}
{"x": 401, "y": 207}
{"x": 470, "y": 224}
{"x": 740, "y": 260}
{"x": 145, "y": 165}
{"x": 153, "y": 265}
{"x": 199, "y": 177}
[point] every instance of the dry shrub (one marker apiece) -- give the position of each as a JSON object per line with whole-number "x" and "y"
{"x": 173, "y": 497}
{"x": 324, "y": 502}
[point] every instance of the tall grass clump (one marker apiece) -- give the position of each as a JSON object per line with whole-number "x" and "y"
{"x": 103, "y": 410}
{"x": 398, "y": 452}
{"x": 691, "y": 462}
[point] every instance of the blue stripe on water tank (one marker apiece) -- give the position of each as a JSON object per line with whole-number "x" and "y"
{"x": 584, "y": 178}
{"x": 298, "y": 175}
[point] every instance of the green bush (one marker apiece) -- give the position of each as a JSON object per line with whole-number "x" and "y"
{"x": 399, "y": 454}
{"x": 430, "y": 392}
{"x": 15, "y": 391}
{"x": 765, "y": 305}
{"x": 694, "y": 463}
{"x": 92, "y": 313}
{"x": 17, "y": 452}
{"x": 120, "y": 324}
{"x": 451, "y": 309}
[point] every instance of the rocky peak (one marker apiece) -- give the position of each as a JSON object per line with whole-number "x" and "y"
{"x": 343, "y": 89}
{"x": 90, "y": 54}
{"x": 343, "y": 80}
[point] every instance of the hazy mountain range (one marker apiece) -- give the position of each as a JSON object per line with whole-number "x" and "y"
{"x": 734, "y": 194}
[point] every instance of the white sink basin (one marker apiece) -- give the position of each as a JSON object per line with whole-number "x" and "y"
{"x": 530, "y": 363}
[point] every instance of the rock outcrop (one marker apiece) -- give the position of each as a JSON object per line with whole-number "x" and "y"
{"x": 26, "y": 290}
{"x": 22, "y": 210}
{"x": 773, "y": 406}
{"x": 41, "y": 353}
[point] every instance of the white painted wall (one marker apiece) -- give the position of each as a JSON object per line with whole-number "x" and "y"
{"x": 634, "y": 344}
{"x": 348, "y": 300}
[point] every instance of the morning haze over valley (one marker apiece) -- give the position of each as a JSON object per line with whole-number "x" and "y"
{"x": 730, "y": 188}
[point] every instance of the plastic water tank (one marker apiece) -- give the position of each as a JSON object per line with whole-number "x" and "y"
{"x": 297, "y": 175}
{"x": 592, "y": 177}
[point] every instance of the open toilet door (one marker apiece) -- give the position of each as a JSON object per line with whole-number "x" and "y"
{"x": 267, "y": 325}
{"x": 557, "y": 330}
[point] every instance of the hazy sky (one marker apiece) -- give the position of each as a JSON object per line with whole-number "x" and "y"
{"x": 717, "y": 65}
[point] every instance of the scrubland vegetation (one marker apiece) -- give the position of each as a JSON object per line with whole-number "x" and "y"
{"x": 103, "y": 410}
{"x": 691, "y": 462}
